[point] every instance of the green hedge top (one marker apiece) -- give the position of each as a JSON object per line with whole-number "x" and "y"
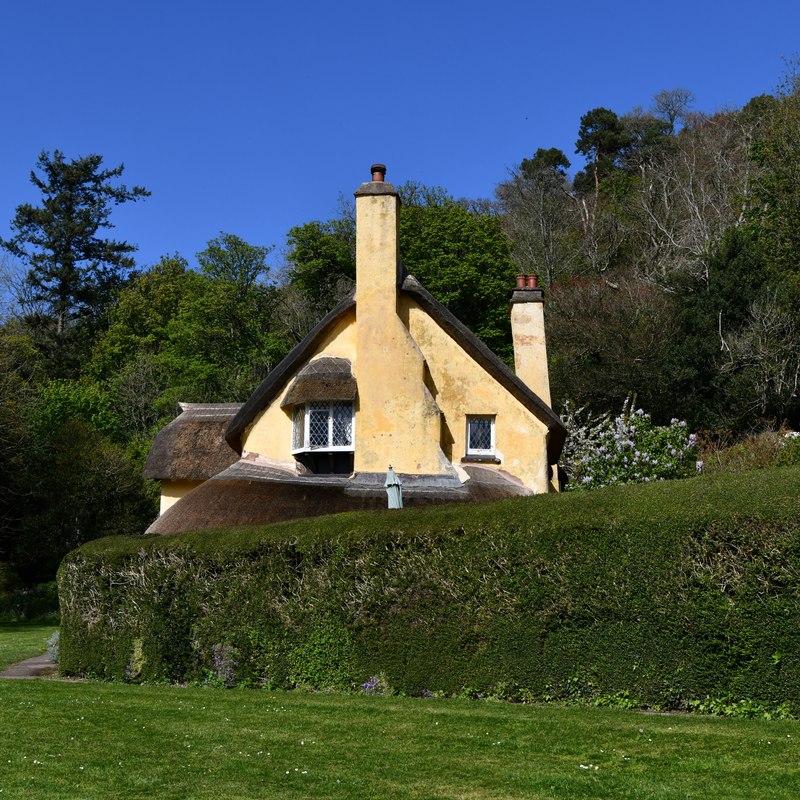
{"x": 771, "y": 496}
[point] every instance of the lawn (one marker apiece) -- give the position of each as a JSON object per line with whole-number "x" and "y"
{"x": 89, "y": 740}
{"x": 21, "y": 640}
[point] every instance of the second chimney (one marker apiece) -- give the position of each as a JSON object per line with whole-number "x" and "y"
{"x": 527, "y": 330}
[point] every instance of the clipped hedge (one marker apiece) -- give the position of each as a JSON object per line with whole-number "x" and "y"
{"x": 662, "y": 594}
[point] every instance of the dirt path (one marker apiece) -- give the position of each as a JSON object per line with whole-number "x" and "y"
{"x": 36, "y": 667}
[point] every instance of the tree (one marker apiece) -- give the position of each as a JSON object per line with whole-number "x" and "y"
{"x": 72, "y": 270}
{"x": 539, "y": 215}
{"x": 322, "y": 261}
{"x": 232, "y": 259}
{"x": 602, "y": 139}
{"x": 176, "y": 334}
{"x": 462, "y": 257}
{"x": 672, "y": 105}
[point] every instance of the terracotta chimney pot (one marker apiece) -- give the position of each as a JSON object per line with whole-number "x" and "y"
{"x": 532, "y": 281}
{"x": 521, "y": 281}
{"x": 378, "y": 172}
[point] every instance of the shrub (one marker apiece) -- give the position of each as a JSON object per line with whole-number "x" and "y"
{"x": 52, "y": 646}
{"x": 656, "y": 595}
{"x": 629, "y": 449}
{"x": 30, "y": 605}
{"x": 753, "y": 451}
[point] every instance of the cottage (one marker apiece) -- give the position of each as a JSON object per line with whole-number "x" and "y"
{"x": 388, "y": 377}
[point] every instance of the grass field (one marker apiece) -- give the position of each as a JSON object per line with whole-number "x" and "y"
{"x": 21, "y": 640}
{"x": 85, "y": 740}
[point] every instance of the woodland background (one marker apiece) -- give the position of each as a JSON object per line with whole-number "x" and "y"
{"x": 669, "y": 251}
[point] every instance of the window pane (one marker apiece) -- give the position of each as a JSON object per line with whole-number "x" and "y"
{"x": 480, "y": 434}
{"x": 318, "y": 425}
{"x": 342, "y": 424}
{"x": 299, "y": 429}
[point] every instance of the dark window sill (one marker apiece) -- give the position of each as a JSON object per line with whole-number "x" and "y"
{"x": 480, "y": 460}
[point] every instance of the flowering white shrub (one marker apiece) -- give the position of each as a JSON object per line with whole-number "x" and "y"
{"x": 628, "y": 449}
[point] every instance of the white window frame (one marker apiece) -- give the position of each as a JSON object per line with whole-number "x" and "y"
{"x": 326, "y": 448}
{"x": 474, "y": 451}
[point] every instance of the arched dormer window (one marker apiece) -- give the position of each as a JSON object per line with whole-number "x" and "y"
{"x": 323, "y": 415}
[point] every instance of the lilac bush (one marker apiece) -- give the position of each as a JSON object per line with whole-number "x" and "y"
{"x": 631, "y": 449}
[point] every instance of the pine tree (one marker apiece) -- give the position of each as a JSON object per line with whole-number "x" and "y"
{"x": 73, "y": 272}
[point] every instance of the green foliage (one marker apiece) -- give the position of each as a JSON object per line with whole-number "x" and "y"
{"x": 178, "y": 335}
{"x": 229, "y": 258}
{"x": 80, "y": 486}
{"x": 30, "y": 605}
{"x": 755, "y": 451}
{"x": 589, "y": 595}
{"x": 607, "y": 341}
{"x": 461, "y": 256}
{"x": 322, "y": 260}
{"x": 61, "y": 401}
{"x": 602, "y": 139}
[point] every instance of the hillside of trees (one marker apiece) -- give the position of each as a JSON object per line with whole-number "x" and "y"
{"x": 668, "y": 244}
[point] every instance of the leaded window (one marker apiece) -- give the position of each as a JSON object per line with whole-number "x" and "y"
{"x": 480, "y": 436}
{"x": 323, "y": 426}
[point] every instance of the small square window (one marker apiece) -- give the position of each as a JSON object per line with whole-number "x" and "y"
{"x": 480, "y": 436}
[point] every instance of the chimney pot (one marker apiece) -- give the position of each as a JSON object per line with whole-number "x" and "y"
{"x": 378, "y": 172}
{"x": 532, "y": 281}
{"x": 521, "y": 279}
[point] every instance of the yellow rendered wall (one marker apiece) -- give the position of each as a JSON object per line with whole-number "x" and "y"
{"x": 172, "y": 491}
{"x": 461, "y": 387}
{"x": 270, "y": 435}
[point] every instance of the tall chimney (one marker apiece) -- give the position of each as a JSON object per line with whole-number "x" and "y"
{"x": 377, "y": 262}
{"x": 527, "y": 330}
{"x": 397, "y": 419}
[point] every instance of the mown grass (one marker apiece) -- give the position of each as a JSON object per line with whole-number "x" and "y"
{"x": 88, "y": 741}
{"x": 21, "y": 640}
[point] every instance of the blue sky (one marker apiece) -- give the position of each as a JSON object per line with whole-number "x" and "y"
{"x": 250, "y": 117}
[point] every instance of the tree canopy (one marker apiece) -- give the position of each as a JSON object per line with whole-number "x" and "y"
{"x": 73, "y": 273}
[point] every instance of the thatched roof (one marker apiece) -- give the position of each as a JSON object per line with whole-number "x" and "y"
{"x": 325, "y": 378}
{"x": 253, "y": 494}
{"x": 193, "y": 446}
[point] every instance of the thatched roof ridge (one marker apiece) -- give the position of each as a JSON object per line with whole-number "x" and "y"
{"x": 193, "y": 446}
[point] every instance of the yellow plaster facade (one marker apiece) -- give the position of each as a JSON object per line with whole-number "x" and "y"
{"x": 417, "y": 385}
{"x": 397, "y": 419}
{"x": 270, "y": 435}
{"x": 172, "y": 491}
{"x": 463, "y": 388}
{"x": 530, "y": 351}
